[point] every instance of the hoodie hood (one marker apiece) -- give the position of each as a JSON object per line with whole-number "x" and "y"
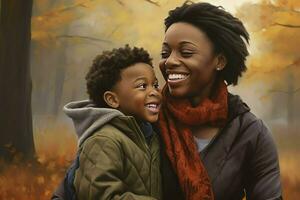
{"x": 87, "y": 117}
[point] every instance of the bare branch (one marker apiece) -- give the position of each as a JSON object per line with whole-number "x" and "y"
{"x": 67, "y": 8}
{"x": 280, "y": 9}
{"x": 149, "y": 1}
{"x": 83, "y": 5}
{"x": 153, "y": 2}
{"x": 297, "y": 90}
{"x": 286, "y": 25}
{"x": 279, "y": 91}
{"x": 120, "y": 2}
{"x": 286, "y": 92}
{"x": 114, "y": 30}
{"x": 290, "y": 65}
{"x": 83, "y": 37}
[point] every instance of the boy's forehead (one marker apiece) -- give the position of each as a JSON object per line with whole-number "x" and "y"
{"x": 138, "y": 70}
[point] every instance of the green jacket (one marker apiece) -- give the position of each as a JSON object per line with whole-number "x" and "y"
{"x": 117, "y": 163}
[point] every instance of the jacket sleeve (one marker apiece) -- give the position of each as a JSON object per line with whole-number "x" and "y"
{"x": 101, "y": 170}
{"x": 264, "y": 178}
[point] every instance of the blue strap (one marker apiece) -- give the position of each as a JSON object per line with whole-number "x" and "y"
{"x": 147, "y": 130}
{"x": 70, "y": 192}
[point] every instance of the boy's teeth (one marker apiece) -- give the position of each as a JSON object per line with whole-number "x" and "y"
{"x": 176, "y": 76}
{"x": 151, "y": 105}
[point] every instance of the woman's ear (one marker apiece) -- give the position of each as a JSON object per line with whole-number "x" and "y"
{"x": 221, "y": 62}
{"x": 111, "y": 99}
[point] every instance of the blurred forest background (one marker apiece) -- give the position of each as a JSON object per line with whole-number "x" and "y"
{"x": 67, "y": 34}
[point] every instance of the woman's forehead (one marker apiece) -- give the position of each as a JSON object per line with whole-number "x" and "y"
{"x": 185, "y": 33}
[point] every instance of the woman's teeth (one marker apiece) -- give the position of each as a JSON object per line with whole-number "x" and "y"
{"x": 174, "y": 77}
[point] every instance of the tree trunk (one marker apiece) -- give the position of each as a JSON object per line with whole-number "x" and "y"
{"x": 15, "y": 81}
{"x": 290, "y": 99}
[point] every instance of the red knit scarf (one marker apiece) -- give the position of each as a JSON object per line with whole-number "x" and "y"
{"x": 175, "y": 121}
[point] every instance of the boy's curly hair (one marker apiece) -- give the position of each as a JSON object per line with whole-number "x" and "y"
{"x": 106, "y": 69}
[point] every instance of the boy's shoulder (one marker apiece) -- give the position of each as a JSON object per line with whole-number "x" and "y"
{"x": 118, "y": 130}
{"x": 121, "y": 132}
{"x": 107, "y": 132}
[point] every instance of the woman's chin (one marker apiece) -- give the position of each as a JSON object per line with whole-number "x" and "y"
{"x": 177, "y": 92}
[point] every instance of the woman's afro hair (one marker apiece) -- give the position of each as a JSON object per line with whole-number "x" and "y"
{"x": 226, "y": 32}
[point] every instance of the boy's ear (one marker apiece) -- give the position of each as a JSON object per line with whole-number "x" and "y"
{"x": 221, "y": 62}
{"x": 111, "y": 99}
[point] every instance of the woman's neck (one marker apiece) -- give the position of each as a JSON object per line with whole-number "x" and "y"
{"x": 204, "y": 93}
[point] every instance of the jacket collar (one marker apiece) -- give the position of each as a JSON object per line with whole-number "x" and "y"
{"x": 139, "y": 133}
{"x": 236, "y": 106}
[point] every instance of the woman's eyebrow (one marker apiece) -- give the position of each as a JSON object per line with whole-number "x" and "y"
{"x": 187, "y": 42}
{"x": 165, "y": 44}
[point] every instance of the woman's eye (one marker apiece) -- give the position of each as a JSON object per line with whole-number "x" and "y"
{"x": 186, "y": 54}
{"x": 164, "y": 54}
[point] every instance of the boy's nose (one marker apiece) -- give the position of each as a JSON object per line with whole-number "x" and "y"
{"x": 154, "y": 92}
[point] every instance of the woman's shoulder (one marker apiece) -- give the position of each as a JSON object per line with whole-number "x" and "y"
{"x": 254, "y": 127}
{"x": 243, "y": 121}
{"x": 247, "y": 133}
{"x": 239, "y": 111}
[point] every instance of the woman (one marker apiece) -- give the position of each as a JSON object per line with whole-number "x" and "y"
{"x": 215, "y": 148}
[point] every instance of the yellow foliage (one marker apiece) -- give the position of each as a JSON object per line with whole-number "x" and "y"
{"x": 51, "y": 20}
{"x": 40, "y": 180}
{"x": 274, "y": 45}
{"x": 48, "y": 25}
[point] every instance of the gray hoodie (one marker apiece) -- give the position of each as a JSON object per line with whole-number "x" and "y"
{"x": 87, "y": 117}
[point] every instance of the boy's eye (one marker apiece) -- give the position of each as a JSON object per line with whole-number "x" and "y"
{"x": 156, "y": 86}
{"x": 142, "y": 85}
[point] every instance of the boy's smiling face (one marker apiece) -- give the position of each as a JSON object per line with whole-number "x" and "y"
{"x": 137, "y": 93}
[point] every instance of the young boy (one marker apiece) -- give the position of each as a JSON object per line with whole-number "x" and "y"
{"x": 118, "y": 150}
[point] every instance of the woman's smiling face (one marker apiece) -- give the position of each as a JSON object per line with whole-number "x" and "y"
{"x": 188, "y": 62}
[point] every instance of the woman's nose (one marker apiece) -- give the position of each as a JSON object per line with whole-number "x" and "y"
{"x": 172, "y": 60}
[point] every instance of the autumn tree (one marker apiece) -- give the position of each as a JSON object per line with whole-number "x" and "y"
{"x": 64, "y": 43}
{"x": 15, "y": 82}
{"x": 275, "y": 25}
